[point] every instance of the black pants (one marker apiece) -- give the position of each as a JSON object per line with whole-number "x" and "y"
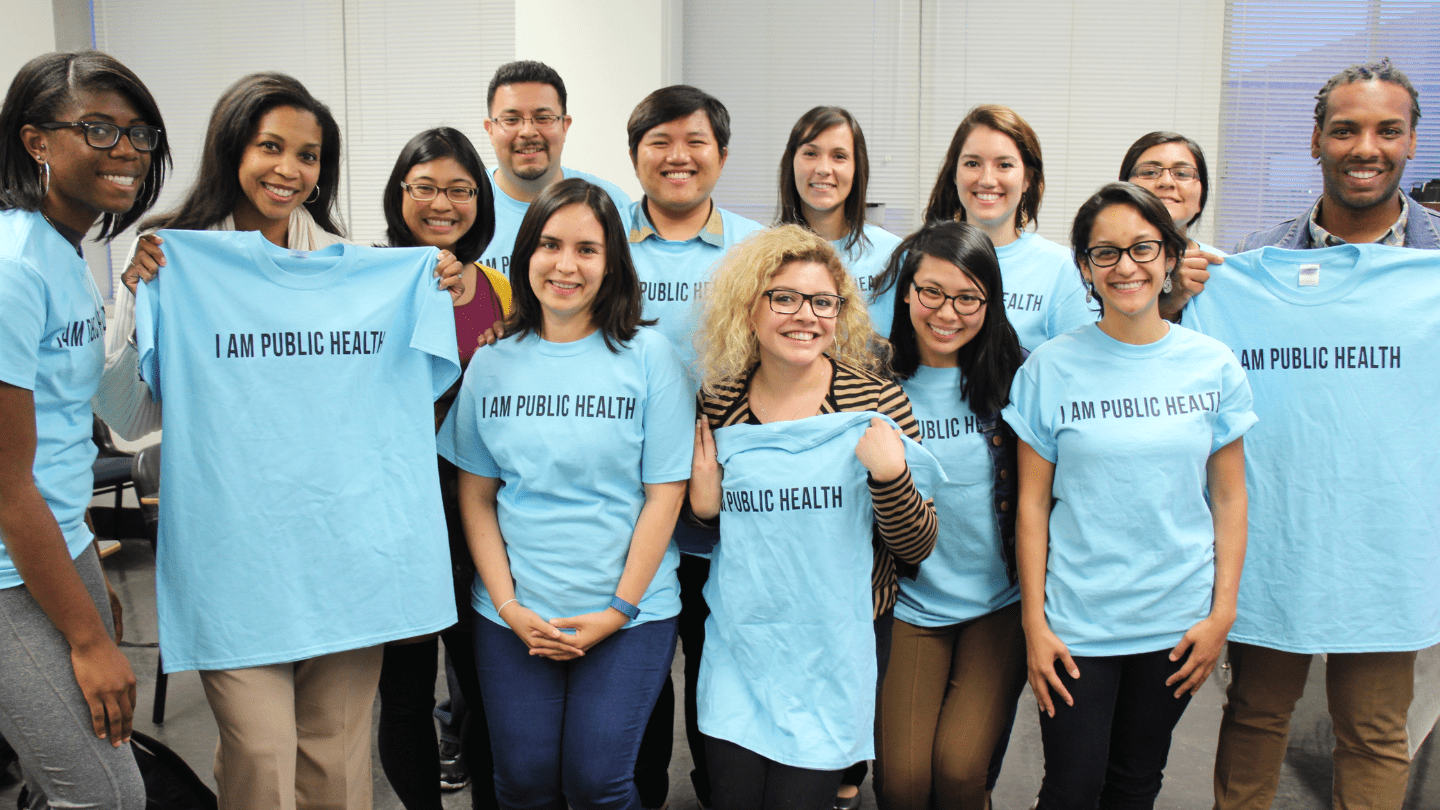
{"x": 745, "y": 780}
{"x": 407, "y": 742}
{"x": 1109, "y": 749}
{"x": 652, "y": 768}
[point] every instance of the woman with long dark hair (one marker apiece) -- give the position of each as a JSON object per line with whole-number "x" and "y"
{"x": 583, "y": 413}
{"x": 437, "y": 196}
{"x": 957, "y": 657}
{"x": 824, "y": 172}
{"x": 81, "y": 141}
{"x": 994, "y": 178}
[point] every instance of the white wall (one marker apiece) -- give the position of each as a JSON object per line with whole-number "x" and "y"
{"x": 611, "y": 54}
{"x": 29, "y": 31}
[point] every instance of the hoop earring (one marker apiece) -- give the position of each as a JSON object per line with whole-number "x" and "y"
{"x": 44, "y": 179}
{"x": 314, "y": 194}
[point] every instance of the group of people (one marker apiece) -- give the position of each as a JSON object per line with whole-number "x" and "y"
{"x": 920, "y": 471}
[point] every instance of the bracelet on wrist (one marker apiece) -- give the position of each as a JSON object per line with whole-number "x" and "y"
{"x": 631, "y": 612}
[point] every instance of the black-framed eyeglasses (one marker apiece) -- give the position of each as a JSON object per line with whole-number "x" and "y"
{"x": 966, "y": 303}
{"x": 543, "y": 121}
{"x": 1109, "y": 256}
{"x": 424, "y": 192}
{"x": 1151, "y": 171}
{"x": 787, "y": 302}
{"x": 104, "y": 135}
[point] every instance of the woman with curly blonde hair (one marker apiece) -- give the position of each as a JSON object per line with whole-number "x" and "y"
{"x": 806, "y": 450}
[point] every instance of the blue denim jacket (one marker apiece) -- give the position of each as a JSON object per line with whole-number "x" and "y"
{"x": 1422, "y": 231}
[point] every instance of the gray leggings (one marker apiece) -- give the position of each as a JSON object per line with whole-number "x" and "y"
{"x": 44, "y": 716}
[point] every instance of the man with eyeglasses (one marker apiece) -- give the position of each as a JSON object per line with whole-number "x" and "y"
{"x": 1309, "y": 590}
{"x": 527, "y": 126}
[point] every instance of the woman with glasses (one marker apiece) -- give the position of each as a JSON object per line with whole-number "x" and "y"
{"x": 1131, "y": 521}
{"x": 437, "y": 196}
{"x": 957, "y": 658}
{"x": 270, "y": 163}
{"x": 802, "y": 448}
{"x": 993, "y": 177}
{"x": 569, "y": 434}
{"x": 1172, "y": 166}
{"x": 81, "y": 141}
{"x": 824, "y": 172}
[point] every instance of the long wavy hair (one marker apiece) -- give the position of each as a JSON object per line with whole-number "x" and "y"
{"x": 39, "y": 93}
{"x": 807, "y": 129}
{"x": 725, "y": 344}
{"x": 989, "y": 360}
{"x": 233, "y": 122}
{"x": 945, "y": 196}
{"x": 617, "y": 305}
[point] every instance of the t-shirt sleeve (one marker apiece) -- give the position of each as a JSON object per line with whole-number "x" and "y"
{"x": 1070, "y": 311}
{"x": 1026, "y": 412}
{"x": 1237, "y": 405}
{"x": 458, "y": 439}
{"x": 669, "y": 415}
{"x": 147, "y": 334}
{"x": 22, "y": 299}
{"x": 925, "y": 469}
{"x": 435, "y": 327}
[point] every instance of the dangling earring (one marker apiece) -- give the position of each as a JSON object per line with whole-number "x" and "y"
{"x": 1166, "y": 287}
{"x": 1089, "y": 292}
{"x": 44, "y": 178}
{"x": 314, "y": 194}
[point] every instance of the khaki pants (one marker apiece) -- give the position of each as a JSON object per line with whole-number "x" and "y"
{"x": 295, "y": 736}
{"x": 1369, "y": 695}
{"x": 949, "y": 693}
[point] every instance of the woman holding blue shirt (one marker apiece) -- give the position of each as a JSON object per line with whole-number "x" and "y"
{"x": 824, "y": 172}
{"x": 584, "y": 416}
{"x": 1131, "y": 521}
{"x": 81, "y": 141}
{"x": 957, "y": 657}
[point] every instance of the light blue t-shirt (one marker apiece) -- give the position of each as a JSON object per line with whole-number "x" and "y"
{"x": 673, "y": 274}
{"x": 1129, "y": 430}
{"x": 788, "y": 669}
{"x": 52, "y": 343}
{"x": 1340, "y": 346}
{"x": 510, "y": 212}
{"x": 300, "y": 508}
{"x": 865, "y": 262}
{"x": 575, "y": 432}
{"x": 965, "y": 577}
{"x": 1044, "y": 295}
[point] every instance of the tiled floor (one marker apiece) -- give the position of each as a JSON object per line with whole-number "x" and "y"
{"x": 190, "y": 730}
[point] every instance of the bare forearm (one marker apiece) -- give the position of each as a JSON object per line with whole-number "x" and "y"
{"x": 1229, "y": 507}
{"x": 482, "y": 535}
{"x": 651, "y": 539}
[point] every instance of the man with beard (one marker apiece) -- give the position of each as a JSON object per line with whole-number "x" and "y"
{"x": 527, "y": 127}
{"x": 1365, "y": 120}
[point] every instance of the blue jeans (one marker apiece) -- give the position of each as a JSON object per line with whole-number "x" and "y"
{"x": 569, "y": 731}
{"x": 1109, "y": 749}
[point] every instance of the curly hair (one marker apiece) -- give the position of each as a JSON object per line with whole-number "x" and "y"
{"x": 725, "y": 344}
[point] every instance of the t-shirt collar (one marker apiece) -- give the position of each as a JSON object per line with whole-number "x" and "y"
{"x": 712, "y": 234}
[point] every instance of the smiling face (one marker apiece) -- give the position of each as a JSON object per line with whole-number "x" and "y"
{"x": 678, "y": 164}
{"x": 991, "y": 179}
{"x": 800, "y": 338}
{"x": 1364, "y": 144}
{"x": 527, "y": 152}
{"x": 1182, "y": 197}
{"x": 568, "y": 266}
{"x": 442, "y": 221}
{"x": 85, "y": 182}
{"x": 278, "y": 171}
{"x": 939, "y": 333}
{"x": 825, "y": 170}
{"x": 1128, "y": 288}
